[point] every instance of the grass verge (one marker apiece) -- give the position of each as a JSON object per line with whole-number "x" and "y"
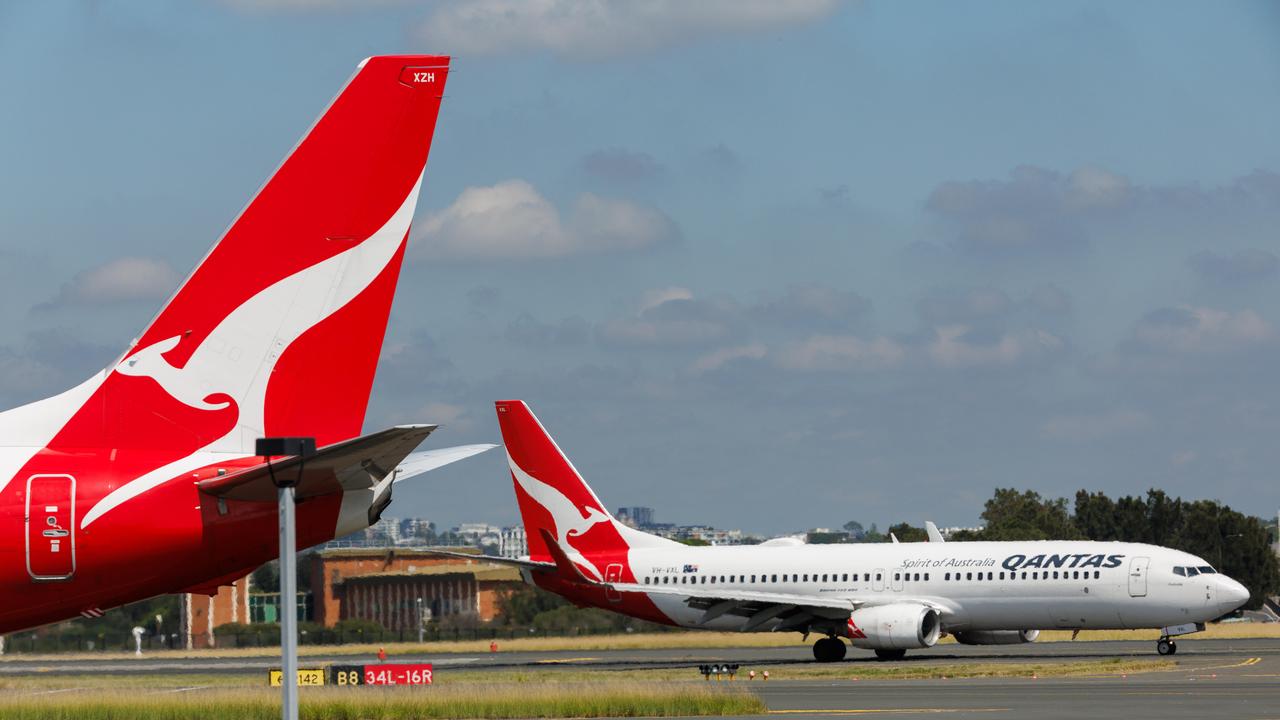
{"x": 491, "y": 700}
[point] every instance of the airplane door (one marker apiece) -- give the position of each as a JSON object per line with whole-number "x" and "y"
{"x": 613, "y": 574}
{"x": 1138, "y": 576}
{"x": 877, "y": 582}
{"x": 51, "y": 527}
{"x": 897, "y": 580}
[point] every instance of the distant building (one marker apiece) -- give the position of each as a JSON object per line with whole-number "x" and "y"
{"x": 636, "y": 516}
{"x": 199, "y": 614}
{"x": 384, "y": 584}
{"x": 514, "y": 542}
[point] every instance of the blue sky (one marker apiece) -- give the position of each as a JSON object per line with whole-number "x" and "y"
{"x": 769, "y": 266}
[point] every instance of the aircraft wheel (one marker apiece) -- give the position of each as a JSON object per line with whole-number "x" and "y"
{"x": 828, "y": 649}
{"x": 891, "y": 654}
{"x": 1166, "y": 646}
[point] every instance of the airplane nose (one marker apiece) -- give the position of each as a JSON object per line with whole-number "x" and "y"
{"x": 1231, "y": 594}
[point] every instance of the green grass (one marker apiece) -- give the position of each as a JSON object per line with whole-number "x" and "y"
{"x": 494, "y": 700}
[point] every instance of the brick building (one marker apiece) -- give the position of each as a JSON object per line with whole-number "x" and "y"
{"x": 384, "y": 584}
{"x": 198, "y": 614}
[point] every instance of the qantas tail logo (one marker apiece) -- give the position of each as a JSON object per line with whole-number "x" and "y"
{"x": 237, "y": 359}
{"x": 570, "y": 521}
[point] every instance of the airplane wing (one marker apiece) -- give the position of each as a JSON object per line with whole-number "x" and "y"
{"x": 356, "y": 464}
{"x": 517, "y": 562}
{"x": 758, "y": 607}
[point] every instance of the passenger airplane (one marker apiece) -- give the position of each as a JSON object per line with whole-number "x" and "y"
{"x": 887, "y": 597}
{"x": 143, "y": 479}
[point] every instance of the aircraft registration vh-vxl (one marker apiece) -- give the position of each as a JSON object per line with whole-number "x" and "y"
{"x": 887, "y": 597}
{"x": 143, "y": 480}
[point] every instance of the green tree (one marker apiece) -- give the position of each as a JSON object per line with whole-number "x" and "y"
{"x": 908, "y": 533}
{"x": 855, "y": 529}
{"x": 1095, "y": 515}
{"x": 1013, "y": 515}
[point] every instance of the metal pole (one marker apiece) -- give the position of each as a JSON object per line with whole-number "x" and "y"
{"x": 420, "y": 621}
{"x": 288, "y": 605}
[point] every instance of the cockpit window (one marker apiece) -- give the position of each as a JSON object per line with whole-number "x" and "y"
{"x": 1180, "y": 571}
{"x": 1206, "y": 570}
{"x": 1192, "y": 572}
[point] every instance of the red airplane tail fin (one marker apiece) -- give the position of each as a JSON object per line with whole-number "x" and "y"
{"x": 554, "y": 498}
{"x": 279, "y": 328}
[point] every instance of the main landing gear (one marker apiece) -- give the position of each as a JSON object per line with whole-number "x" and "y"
{"x": 829, "y": 649}
{"x": 1165, "y": 646}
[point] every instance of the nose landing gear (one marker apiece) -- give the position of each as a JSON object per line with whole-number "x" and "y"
{"x": 829, "y": 649}
{"x": 1165, "y": 646}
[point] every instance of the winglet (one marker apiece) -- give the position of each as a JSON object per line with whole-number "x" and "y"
{"x": 934, "y": 535}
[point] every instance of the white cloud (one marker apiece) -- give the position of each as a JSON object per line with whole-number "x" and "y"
{"x": 1187, "y": 329}
{"x": 603, "y": 28}
{"x": 954, "y": 346}
{"x": 674, "y": 317}
{"x": 1094, "y": 426}
{"x": 719, "y": 358}
{"x": 513, "y": 221}
{"x": 842, "y": 352}
{"x": 124, "y": 280}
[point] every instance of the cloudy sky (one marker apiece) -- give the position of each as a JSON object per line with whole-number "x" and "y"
{"x": 761, "y": 265}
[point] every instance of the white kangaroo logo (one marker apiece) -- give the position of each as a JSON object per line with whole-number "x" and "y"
{"x": 570, "y": 520}
{"x": 239, "y": 355}
{"x": 150, "y": 362}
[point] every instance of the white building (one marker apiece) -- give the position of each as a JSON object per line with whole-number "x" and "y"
{"x": 513, "y": 542}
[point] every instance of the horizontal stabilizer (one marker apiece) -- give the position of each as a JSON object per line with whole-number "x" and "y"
{"x": 496, "y": 559}
{"x": 427, "y": 460}
{"x": 357, "y": 464}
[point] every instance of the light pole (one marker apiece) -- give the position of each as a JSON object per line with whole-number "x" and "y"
{"x": 301, "y": 449}
{"x": 420, "y": 622}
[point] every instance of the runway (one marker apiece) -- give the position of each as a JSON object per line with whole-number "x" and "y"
{"x": 1212, "y": 678}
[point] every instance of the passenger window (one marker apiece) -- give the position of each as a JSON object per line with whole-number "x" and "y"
{"x": 1024, "y": 574}
{"x": 878, "y": 576}
{"x": 1035, "y": 575}
{"x": 926, "y": 577}
{"x": 664, "y": 579}
{"x": 897, "y": 576}
{"x": 646, "y": 579}
{"x": 775, "y": 579}
{"x": 1055, "y": 574}
{"x": 866, "y": 577}
{"x": 704, "y": 579}
{"x": 806, "y": 577}
{"x": 844, "y": 577}
{"x": 753, "y": 578}
{"x": 947, "y": 576}
{"x": 968, "y": 576}
{"x": 1097, "y": 574}
{"x": 1075, "y": 574}
{"x": 824, "y": 577}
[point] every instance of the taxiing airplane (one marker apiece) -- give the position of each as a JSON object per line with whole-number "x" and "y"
{"x": 886, "y": 597}
{"x": 143, "y": 479}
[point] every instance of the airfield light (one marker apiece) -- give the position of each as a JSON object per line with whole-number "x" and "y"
{"x": 300, "y": 448}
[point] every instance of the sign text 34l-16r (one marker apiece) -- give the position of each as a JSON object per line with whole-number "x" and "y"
{"x": 382, "y": 674}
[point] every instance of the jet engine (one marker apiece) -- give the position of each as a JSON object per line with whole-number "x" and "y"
{"x": 996, "y": 637}
{"x": 894, "y": 627}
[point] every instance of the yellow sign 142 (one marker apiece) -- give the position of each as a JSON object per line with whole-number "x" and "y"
{"x": 309, "y": 676}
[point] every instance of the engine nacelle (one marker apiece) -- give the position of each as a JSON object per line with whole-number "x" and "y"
{"x": 996, "y": 637}
{"x": 899, "y": 626}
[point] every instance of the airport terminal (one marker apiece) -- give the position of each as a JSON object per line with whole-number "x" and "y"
{"x": 639, "y": 359}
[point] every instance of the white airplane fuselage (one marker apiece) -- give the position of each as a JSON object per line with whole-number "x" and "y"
{"x": 975, "y": 586}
